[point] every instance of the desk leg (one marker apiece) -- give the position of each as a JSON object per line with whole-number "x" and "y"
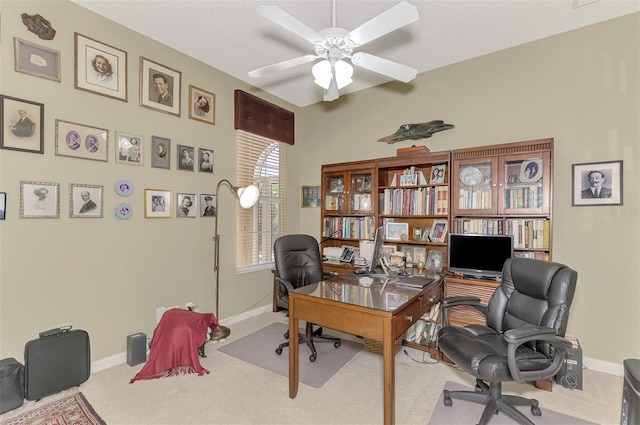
{"x": 293, "y": 350}
{"x": 389, "y": 354}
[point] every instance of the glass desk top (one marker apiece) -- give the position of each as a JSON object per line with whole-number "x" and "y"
{"x": 364, "y": 291}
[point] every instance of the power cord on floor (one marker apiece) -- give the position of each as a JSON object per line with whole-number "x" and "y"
{"x": 423, "y": 361}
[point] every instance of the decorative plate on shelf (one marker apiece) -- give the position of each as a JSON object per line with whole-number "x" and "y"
{"x": 124, "y": 187}
{"x": 124, "y": 211}
{"x": 470, "y": 176}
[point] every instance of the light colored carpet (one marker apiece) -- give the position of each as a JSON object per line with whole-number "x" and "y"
{"x": 467, "y": 412}
{"x": 259, "y": 347}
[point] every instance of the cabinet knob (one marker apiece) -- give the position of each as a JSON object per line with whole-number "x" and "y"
{"x": 432, "y": 299}
{"x": 410, "y": 318}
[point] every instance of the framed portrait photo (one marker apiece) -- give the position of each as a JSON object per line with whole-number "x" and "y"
{"x": 157, "y": 203}
{"x": 437, "y": 174}
{"x": 435, "y": 260}
{"x": 159, "y": 87}
{"x": 161, "y": 152}
{"x": 85, "y": 200}
{"x": 21, "y": 125}
{"x": 208, "y": 207}
{"x": 129, "y": 148}
{"x": 531, "y": 171}
{"x": 396, "y": 231}
{"x": 205, "y": 162}
{"x": 3, "y": 205}
{"x": 202, "y": 105}
{"x": 438, "y": 230}
{"x": 311, "y": 196}
{"x": 36, "y": 60}
{"x": 39, "y": 199}
{"x": 186, "y": 205}
{"x": 184, "y": 158}
{"x": 82, "y": 141}
{"x": 596, "y": 183}
{"x": 100, "y": 68}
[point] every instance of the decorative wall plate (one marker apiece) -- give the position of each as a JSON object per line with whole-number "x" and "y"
{"x": 531, "y": 171}
{"x": 470, "y": 176}
{"x": 124, "y": 211}
{"x": 124, "y": 187}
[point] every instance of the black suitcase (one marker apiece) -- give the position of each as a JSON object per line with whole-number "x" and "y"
{"x": 58, "y": 360}
{"x": 11, "y": 384}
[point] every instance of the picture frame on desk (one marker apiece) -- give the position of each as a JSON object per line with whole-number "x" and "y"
{"x": 439, "y": 230}
{"x": 434, "y": 260}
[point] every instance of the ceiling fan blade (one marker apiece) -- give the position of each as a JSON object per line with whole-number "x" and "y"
{"x": 396, "y": 17}
{"x": 280, "y": 66}
{"x": 384, "y": 66}
{"x": 290, "y": 23}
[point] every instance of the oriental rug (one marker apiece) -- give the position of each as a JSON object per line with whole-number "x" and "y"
{"x": 71, "y": 410}
{"x": 259, "y": 347}
{"x": 468, "y": 412}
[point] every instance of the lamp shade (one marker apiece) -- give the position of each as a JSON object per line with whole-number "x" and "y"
{"x": 248, "y": 196}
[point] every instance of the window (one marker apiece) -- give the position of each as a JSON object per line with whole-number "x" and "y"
{"x": 263, "y": 162}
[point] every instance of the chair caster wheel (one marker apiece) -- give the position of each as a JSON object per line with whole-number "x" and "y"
{"x": 279, "y": 350}
{"x": 478, "y": 389}
{"x": 535, "y": 410}
{"x": 286, "y": 335}
{"x": 313, "y": 357}
{"x": 447, "y": 399}
{"x": 337, "y": 344}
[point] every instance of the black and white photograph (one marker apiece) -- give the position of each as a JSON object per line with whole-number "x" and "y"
{"x": 129, "y": 148}
{"x": 36, "y": 60}
{"x": 21, "y": 125}
{"x": 159, "y": 87}
{"x": 85, "y": 200}
{"x": 185, "y": 158}
{"x": 596, "y": 183}
{"x": 82, "y": 141}
{"x": 160, "y": 152}
{"x": 100, "y": 68}
{"x": 3, "y": 205}
{"x": 39, "y": 199}
{"x": 157, "y": 203}
{"x": 207, "y": 205}
{"x": 202, "y": 105}
{"x": 205, "y": 160}
{"x": 186, "y": 205}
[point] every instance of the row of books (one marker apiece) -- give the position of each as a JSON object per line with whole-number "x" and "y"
{"x": 479, "y": 199}
{"x": 538, "y": 255}
{"x": 420, "y": 201}
{"x": 349, "y": 227}
{"x": 361, "y": 202}
{"x": 333, "y": 202}
{"x": 484, "y": 226}
{"x": 523, "y": 197}
{"x": 527, "y": 233}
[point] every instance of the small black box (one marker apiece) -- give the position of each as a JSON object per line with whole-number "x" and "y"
{"x": 11, "y": 384}
{"x": 136, "y": 349}
{"x": 570, "y": 375}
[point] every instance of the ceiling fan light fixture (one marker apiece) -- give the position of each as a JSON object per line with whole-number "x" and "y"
{"x": 322, "y": 74}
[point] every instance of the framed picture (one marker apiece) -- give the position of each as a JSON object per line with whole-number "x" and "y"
{"x": 186, "y": 205}
{"x": 311, "y": 196}
{"x": 157, "y": 203}
{"x": 207, "y": 205}
{"x": 596, "y": 183}
{"x": 396, "y": 231}
{"x": 513, "y": 178}
{"x": 531, "y": 170}
{"x": 3, "y": 205}
{"x": 184, "y": 159}
{"x": 435, "y": 260}
{"x": 438, "y": 230}
{"x": 160, "y": 152}
{"x": 39, "y": 199}
{"x": 426, "y": 234}
{"x": 202, "y": 105}
{"x": 129, "y": 148}
{"x": 82, "y": 141}
{"x": 159, "y": 87}
{"x": 36, "y": 60}
{"x": 437, "y": 173}
{"x": 100, "y": 68}
{"x": 205, "y": 164}
{"x": 85, "y": 201}
{"x": 21, "y": 125}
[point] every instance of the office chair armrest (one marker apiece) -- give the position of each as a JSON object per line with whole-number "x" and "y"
{"x": 329, "y": 274}
{"x": 458, "y": 301}
{"x": 517, "y": 337}
{"x": 286, "y": 284}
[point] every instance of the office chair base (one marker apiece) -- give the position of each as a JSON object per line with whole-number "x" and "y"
{"x": 309, "y": 338}
{"x": 494, "y": 401}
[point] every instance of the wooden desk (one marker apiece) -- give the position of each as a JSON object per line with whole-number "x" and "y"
{"x": 384, "y": 315}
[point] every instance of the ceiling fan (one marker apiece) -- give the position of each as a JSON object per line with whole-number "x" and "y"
{"x": 334, "y": 44}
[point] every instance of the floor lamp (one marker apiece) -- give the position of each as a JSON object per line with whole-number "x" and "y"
{"x": 247, "y": 196}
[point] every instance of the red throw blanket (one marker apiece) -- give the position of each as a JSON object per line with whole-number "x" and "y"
{"x": 175, "y": 343}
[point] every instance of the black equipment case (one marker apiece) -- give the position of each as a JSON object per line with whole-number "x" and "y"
{"x": 58, "y": 360}
{"x": 11, "y": 384}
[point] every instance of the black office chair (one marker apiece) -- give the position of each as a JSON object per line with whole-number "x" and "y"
{"x": 522, "y": 340}
{"x": 298, "y": 263}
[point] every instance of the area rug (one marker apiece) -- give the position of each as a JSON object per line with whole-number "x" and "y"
{"x": 467, "y": 412}
{"x": 259, "y": 348}
{"x": 71, "y": 410}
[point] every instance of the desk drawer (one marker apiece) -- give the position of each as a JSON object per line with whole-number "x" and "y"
{"x": 406, "y": 318}
{"x": 430, "y": 297}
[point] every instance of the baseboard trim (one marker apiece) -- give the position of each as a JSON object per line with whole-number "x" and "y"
{"x": 604, "y": 367}
{"x": 120, "y": 358}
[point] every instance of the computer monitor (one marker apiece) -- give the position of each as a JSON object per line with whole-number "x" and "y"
{"x": 377, "y": 249}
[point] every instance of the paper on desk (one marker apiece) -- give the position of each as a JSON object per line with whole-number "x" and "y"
{"x": 366, "y": 249}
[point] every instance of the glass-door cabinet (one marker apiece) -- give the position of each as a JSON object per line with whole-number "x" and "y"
{"x": 524, "y": 186}
{"x": 475, "y": 186}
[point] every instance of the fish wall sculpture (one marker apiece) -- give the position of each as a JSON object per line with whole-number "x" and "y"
{"x": 416, "y": 131}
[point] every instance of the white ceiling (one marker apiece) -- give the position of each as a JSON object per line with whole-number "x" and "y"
{"x": 232, "y": 37}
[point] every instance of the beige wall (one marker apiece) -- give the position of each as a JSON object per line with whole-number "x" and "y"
{"x": 581, "y": 88}
{"x": 108, "y": 276}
